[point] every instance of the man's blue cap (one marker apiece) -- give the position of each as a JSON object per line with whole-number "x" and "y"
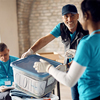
{"x": 69, "y": 9}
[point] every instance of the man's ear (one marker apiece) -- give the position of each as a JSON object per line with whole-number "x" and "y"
{"x": 77, "y": 16}
{"x": 63, "y": 18}
{"x": 8, "y": 50}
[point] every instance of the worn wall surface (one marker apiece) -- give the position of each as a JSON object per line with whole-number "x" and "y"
{"x": 8, "y": 25}
{"x": 23, "y": 15}
{"x": 36, "y": 18}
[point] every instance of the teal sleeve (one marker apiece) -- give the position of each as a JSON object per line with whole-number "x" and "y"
{"x": 56, "y": 31}
{"x": 82, "y": 55}
{"x": 13, "y": 58}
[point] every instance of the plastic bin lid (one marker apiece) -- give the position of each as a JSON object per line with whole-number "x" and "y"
{"x": 27, "y": 63}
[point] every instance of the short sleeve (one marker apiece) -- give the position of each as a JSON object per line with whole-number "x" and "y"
{"x": 13, "y": 58}
{"x": 56, "y": 31}
{"x": 82, "y": 55}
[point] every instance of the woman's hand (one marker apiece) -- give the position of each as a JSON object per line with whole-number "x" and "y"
{"x": 42, "y": 66}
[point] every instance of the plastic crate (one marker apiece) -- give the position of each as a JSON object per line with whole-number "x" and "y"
{"x": 28, "y": 80}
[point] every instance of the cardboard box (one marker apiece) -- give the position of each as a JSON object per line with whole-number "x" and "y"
{"x": 53, "y": 56}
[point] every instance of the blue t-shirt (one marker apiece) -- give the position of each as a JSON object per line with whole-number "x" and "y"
{"x": 6, "y": 70}
{"x": 88, "y": 55}
{"x": 56, "y": 32}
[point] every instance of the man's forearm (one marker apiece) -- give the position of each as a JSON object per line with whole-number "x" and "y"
{"x": 42, "y": 42}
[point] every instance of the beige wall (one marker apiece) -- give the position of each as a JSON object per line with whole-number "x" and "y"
{"x": 8, "y": 25}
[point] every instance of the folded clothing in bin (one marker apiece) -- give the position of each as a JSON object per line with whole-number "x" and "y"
{"x": 28, "y": 80}
{"x": 21, "y": 94}
{"x": 52, "y": 97}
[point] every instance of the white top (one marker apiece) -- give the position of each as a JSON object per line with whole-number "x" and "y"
{"x": 70, "y": 78}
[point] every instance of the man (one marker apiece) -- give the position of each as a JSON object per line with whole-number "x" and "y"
{"x": 71, "y": 33}
{"x": 6, "y": 72}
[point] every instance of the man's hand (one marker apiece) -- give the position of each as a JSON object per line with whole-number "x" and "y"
{"x": 2, "y": 88}
{"x": 70, "y": 53}
{"x": 42, "y": 66}
{"x": 29, "y": 52}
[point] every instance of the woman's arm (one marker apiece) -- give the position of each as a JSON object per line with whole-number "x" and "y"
{"x": 70, "y": 78}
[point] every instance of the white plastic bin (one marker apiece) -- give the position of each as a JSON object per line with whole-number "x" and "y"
{"x": 28, "y": 80}
{"x": 52, "y": 97}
